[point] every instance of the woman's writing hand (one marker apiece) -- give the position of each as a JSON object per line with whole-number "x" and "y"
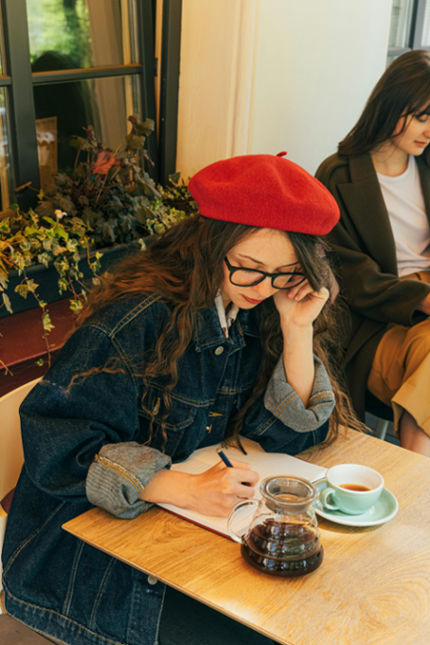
{"x": 301, "y": 305}
{"x": 217, "y": 490}
{"x": 212, "y": 492}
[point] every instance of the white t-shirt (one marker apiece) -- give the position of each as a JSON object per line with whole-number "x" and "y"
{"x": 405, "y": 205}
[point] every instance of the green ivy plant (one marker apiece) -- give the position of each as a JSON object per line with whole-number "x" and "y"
{"x": 108, "y": 198}
{"x": 27, "y": 239}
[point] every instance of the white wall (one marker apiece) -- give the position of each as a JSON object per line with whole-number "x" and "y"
{"x": 316, "y": 63}
{"x": 270, "y": 75}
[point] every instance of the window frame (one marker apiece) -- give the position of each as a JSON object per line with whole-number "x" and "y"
{"x": 19, "y": 81}
{"x": 415, "y": 36}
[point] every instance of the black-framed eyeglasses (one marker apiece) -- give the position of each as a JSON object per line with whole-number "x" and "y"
{"x": 242, "y": 277}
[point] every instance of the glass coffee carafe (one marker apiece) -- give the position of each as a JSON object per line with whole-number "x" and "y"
{"x": 283, "y": 537}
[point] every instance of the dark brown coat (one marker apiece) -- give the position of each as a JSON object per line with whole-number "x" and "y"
{"x": 364, "y": 245}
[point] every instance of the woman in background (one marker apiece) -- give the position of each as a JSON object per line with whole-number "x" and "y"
{"x": 380, "y": 178}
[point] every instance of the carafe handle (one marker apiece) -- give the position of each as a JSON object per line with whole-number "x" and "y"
{"x": 233, "y": 534}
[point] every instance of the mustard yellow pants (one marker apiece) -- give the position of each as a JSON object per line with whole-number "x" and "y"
{"x": 400, "y": 372}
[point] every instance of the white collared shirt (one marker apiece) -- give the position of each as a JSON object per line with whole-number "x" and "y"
{"x": 225, "y": 318}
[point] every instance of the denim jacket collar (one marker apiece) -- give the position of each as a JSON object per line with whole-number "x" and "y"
{"x": 208, "y": 332}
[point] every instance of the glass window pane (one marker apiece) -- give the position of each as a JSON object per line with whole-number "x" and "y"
{"x": 63, "y": 109}
{"x": 6, "y": 195}
{"x": 80, "y": 33}
{"x": 426, "y": 27}
{"x": 401, "y": 15}
{"x": 2, "y": 70}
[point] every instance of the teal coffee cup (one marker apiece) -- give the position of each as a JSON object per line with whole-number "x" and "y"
{"x": 351, "y": 488}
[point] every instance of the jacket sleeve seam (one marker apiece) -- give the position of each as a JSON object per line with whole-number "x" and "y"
{"x": 119, "y": 470}
{"x": 118, "y": 349}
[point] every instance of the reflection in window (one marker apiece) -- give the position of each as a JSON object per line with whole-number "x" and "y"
{"x": 60, "y": 26}
{"x": 5, "y": 167}
{"x": 81, "y": 33}
{"x": 63, "y": 109}
{"x": 47, "y": 150}
{"x": 401, "y": 16}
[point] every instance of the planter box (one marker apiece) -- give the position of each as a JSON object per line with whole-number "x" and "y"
{"x": 47, "y": 278}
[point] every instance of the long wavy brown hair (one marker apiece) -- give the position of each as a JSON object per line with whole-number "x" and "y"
{"x": 184, "y": 266}
{"x": 403, "y": 89}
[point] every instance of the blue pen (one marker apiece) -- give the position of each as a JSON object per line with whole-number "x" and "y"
{"x": 225, "y": 459}
{"x": 228, "y": 463}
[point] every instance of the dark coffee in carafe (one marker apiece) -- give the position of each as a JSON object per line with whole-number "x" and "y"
{"x": 282, "y": 538}
{"x": 282, "y": 548}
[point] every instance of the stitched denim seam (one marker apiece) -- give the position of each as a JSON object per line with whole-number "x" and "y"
{"x": 131, "y": 612}
{"x": 204, "y": 403}
{"x": 31, "y": 538}
{"x": 212, "y": 342}
{"x": 159, "y": 615}
{"x": 124, "y": 358}
{"x": 136, "y": 311}
{"x": 119, "y": 470}
{"x": 323, "y": 397}
{"x": 180, "y": 426}
{"x": 264, "y": 427}
{"x": 321, "y": 403}
{"x": 57, "y": 613}
{"x": 106, "y": 575}
{"x": 72, "y": 578}
{"x": 195, "y": 403}
{"x": 233, "y": 391}
{"x": 283, "y": 404}
{"x": 117, "y": 348}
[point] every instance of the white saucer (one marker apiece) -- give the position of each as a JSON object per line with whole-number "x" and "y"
{"x": 385, "y": 509}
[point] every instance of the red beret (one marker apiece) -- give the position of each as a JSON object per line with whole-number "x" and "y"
{"x": 267, "y": 191}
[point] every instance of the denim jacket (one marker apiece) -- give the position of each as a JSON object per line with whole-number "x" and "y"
{"x": 92, "y": 443}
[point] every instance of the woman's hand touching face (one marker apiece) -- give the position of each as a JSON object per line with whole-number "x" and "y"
{"x": 301, "y": 305}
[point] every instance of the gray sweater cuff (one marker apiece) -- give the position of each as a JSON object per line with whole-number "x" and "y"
{"x": 118, "y": 475}
{"x": 284, "y": 403}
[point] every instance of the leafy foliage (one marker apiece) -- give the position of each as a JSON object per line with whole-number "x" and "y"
{"x": 112, "y": 191}
{"x": 108, "y": 198}
{"x": 28, "y": 238}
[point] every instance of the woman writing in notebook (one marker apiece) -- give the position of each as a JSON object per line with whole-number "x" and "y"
{"x": 381, "y": 180}
{"x": 222, "y": 326}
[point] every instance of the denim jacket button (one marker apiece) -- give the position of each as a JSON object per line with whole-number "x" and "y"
{"x": 219, "y": 350}
{"x": 152, "y": 580}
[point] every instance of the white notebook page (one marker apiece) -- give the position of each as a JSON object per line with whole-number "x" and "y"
{"x": 265, "y": 463}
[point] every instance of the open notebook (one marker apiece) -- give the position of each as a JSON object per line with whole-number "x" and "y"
{"x": 264, "y": 463}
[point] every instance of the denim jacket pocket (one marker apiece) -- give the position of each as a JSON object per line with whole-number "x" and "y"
{"x": 167, "y": 423}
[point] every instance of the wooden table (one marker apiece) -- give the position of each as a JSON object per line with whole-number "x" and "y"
{"x": 373, "y": 586}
